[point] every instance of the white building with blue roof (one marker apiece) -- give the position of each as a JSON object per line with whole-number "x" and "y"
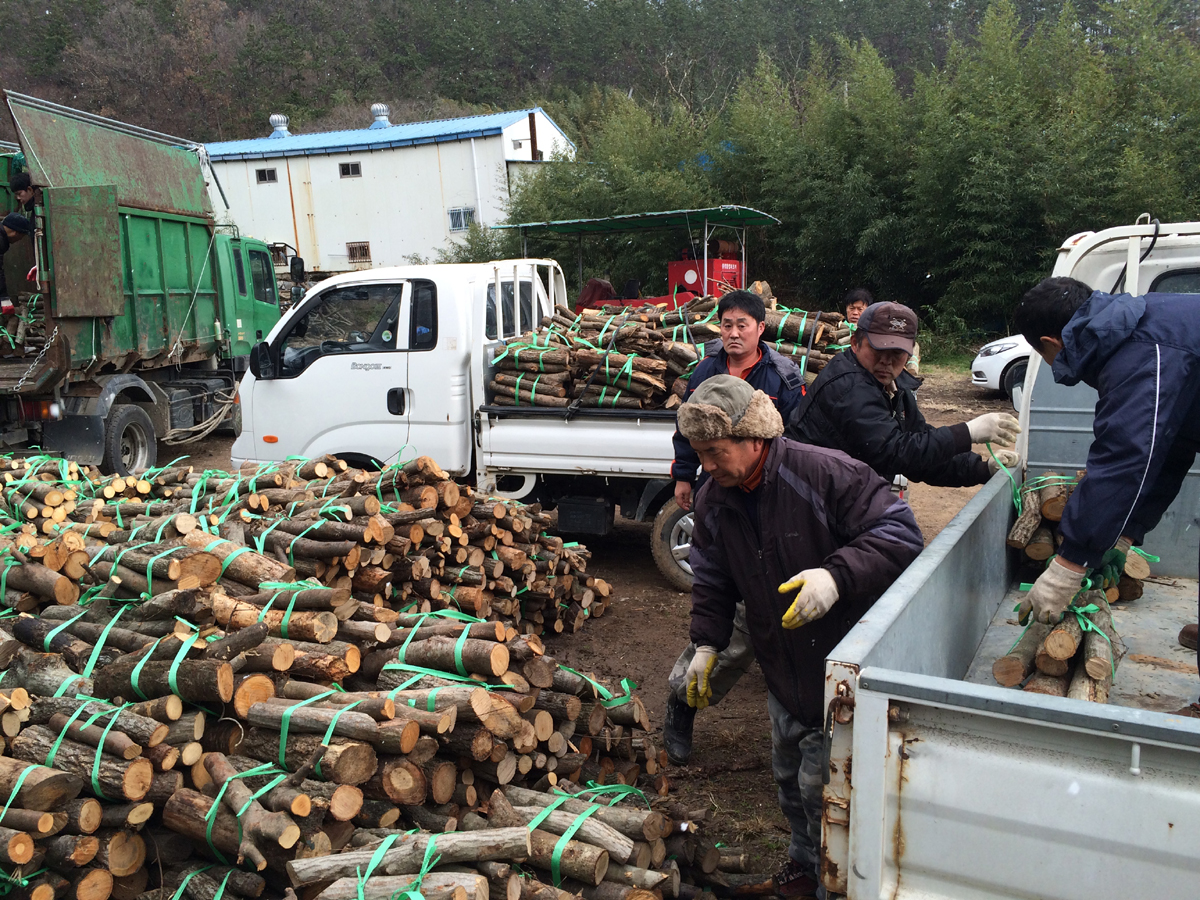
{"x": 374, "y": 196}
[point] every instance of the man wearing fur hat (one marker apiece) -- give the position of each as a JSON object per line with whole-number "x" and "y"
{"x": 776, "y": 517}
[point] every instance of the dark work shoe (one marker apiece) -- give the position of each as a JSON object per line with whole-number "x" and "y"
{"x": 1191, "y": 711}
{"x": 677, "y": 730}
{"x": 793, "y": 880}
{"x": 1187, "y": 636}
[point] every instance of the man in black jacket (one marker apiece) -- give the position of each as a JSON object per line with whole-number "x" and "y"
{"x": 863, "y": 403}
{"x": 774, "y": 517}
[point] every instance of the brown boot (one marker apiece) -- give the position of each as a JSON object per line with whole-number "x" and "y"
{"x": 1192, "y": 711}
{"x": 1188, "y": 636}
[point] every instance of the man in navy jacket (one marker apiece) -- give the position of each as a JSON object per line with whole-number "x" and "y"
{"x": 1142, "y": 354}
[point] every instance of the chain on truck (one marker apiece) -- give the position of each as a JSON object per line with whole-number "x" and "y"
{"x": 132, "y": 311}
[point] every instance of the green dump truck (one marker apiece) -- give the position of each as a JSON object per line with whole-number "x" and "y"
{"x": 132, "y": 312}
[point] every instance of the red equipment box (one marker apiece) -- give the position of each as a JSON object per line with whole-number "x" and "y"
{"x": 724, "y": 275}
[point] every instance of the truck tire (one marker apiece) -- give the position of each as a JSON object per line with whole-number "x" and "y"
{"x": 130, "y": 444}
{"x": 670, "y": 544}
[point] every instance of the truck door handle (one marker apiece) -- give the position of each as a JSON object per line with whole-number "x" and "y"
{"x": 395, "y": 401}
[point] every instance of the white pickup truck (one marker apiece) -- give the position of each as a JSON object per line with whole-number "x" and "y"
{"x": 391, "y": 363}
{"x": 942, "y": 784}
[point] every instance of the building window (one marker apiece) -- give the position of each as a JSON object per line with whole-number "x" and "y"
{"x": 461, "y": 218}
{"x": 266, "y": 176}
{"x": 359, "y": 251}
{"x": 350, "y": 170}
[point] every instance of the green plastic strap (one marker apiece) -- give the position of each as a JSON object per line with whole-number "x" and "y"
{"x": 54, "y": 631}
{"x": 292, "y": 543}
{"x": 458, "y": 651}
{"x": 376, "y": 859}
{"x": 100, "y": 753}
{"x": 545, "y": 813}
{"x": 211, "y": 816}
{"x": 150, "y": 568}
{"x": 329, "y": 732}
{"x": 95, "y": 655}
{"x": 287, "y": 721}
{"x": 287, "y": 613}
{"x": 231, "y": 557}
{"x": 1148, "y": 557}
{"x": 137, "y": 670}
{"x": 265, "y": 789}
{"x": 9, "y": 562}
{"x": 62, "y": 688}
{"x": 221, "y": 890}
{"x": 184, "y": 646}
{"x": 17, "y": 788}
{"x": 62, "y": 735}
{"x": 261, "y": 541}
{"x": 1086, "y": 625}
{"x": 620, "y": 792}
{"x": 556, "y": 856}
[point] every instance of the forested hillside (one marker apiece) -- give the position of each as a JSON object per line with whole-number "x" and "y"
{"x": 937, "y": 151}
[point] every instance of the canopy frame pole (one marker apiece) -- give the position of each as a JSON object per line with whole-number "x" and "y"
{"x": 706, "y": 256}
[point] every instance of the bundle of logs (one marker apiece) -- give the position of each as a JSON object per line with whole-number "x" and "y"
{"x": 23, "y": 332}
{"x": 185, "y": 715}
{"x": 640, "y": 358}
{"x": 1078, "y": 657}
{"x": 408, "y": 536}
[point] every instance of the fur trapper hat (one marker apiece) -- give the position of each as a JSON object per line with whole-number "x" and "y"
{"x": 725, "y": 407}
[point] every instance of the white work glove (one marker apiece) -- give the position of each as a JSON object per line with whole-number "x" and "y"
{"x": 818, "y": 592}
{"x": 1010, "y": 458}
{"x": 699, "y": 691}
{"x": 994, "y": 428}
{"x": 1051, "y": 594}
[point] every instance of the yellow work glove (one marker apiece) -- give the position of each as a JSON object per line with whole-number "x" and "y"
{"x": 818, "y": 593}
{"x": 699, "y": 691}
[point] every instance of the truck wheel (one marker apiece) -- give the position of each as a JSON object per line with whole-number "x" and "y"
{"x": 130, "y": 444}
{"x": 671, "y": 543}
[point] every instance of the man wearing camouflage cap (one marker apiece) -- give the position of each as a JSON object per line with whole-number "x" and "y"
{"x": 776, "y": 517}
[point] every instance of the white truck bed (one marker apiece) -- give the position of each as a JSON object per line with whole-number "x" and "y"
{"x": 1157, "y": 673}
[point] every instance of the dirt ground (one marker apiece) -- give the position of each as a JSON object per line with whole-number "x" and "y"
{"x": 647, "y": 626}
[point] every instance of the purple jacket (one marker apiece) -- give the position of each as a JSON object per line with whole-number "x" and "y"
{"x": 814, "y": 507}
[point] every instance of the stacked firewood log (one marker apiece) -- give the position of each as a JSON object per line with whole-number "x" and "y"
{"x": 1078, "y": 657}
{"x": 250, "y": 684}
{"x": 639, "y": 358}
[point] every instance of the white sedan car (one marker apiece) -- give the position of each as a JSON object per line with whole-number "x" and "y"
{"x": 1001, "y": 364}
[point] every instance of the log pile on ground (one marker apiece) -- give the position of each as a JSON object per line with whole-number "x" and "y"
{"x": 185, "y": 714}
{"x": 1078, "y": 657}
{"x": 639, "y": 357}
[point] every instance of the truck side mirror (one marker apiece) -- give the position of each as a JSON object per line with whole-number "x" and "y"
{"x": 296, "y": 269}
{"x": 262, "y": 366}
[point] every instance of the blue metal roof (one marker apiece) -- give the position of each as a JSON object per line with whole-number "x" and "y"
{"x": 406, "y": 135}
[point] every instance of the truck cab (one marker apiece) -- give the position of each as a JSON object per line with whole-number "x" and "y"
{"x": 386, "y": 364}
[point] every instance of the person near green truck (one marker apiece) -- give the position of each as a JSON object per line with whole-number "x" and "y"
{"x": 800, "y": 541}
{"x": 13, "y": 228}
{"x": 744, "y": 354}
{"x": 1142, "y": 355}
